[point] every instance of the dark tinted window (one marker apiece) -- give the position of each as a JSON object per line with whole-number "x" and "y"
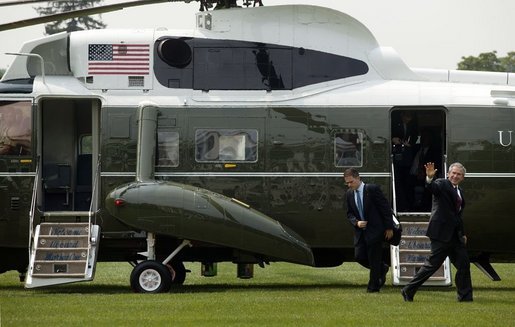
{"x": 238, "y": 65}
{"x": 242, "y": 69}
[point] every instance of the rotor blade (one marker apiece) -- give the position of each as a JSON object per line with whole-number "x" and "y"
{"x": 19, "y": 2}
{"x": 78, "y": 13}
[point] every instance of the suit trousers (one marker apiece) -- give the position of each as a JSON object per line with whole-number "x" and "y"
{"x": 369, "y": 254}
{"x": 457, "y": 253}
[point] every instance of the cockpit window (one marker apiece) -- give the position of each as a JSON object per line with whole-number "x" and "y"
{"x": 15, "y": 128}
{"x": 53, "y": 50}
{"x": 226, "y": 145}
{"x": 348, "y": 149}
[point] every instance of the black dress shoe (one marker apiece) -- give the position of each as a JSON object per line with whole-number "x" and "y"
{"x": 406, "y": 296}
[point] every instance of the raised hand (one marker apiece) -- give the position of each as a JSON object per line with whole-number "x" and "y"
{"x": 430, "y": 169}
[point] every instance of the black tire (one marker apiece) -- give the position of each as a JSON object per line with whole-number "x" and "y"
{"x": 178, "y": 272}
{"x": 151, "y": 277}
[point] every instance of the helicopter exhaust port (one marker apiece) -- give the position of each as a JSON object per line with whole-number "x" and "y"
{"x": 175, "y": 52}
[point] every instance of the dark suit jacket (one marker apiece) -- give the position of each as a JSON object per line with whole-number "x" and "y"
{"x": 445, "y": 221}
{"x": 377, "y": 212}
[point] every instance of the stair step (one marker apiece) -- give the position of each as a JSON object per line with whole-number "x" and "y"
{"x": 409, "y": 263}
{"x": 413, "y": 214}
{"x": 410, "y": 269}
{"x": 63, "y": 249}
{"x": 53, "y": 243}
{"x": 435, "y": 278}
{"x": 61, "y": 255}
{"x": 52, "y": 275}
{"x": 60, "y": 261}
{"x": 70, "y": 237}
{"x": 59, "y": 268}
{"x": 414, "y": 251}
{"x": 64, "y": 229}
{"x": 414, "y": 229}
{"x": 66, "y": 214}
{"x": 415, "y": 237}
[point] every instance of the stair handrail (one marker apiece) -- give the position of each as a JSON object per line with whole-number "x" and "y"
{"x": 394, "y": 197}
{"x": 32, "y": 211}
{"x": 93, "y": 207}
{"x": 444, "y": 165}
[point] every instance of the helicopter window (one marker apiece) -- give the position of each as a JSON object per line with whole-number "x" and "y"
{"x": 226, "y": 145}
{"x": 55, "y": 55}
{"x": 86, "y": 144}
{"x": 167, "y": 149}
{"x": 242, "y": 68}
{"x": 15, "y": 128}
{"x": 207, "y": 64}
{"x": 348, "y": 150}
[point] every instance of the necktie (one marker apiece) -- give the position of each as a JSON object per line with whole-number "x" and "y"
{"x": 458, "y": 200}
{"x": 360, "y": 204}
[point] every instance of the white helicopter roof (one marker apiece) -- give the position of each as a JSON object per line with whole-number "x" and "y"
{"x": 299, "y": 26}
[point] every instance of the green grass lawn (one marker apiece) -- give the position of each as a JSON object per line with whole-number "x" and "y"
{"x": 279, "y": 295}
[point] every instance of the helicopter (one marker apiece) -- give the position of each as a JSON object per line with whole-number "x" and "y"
{"x": 227, "y": 143}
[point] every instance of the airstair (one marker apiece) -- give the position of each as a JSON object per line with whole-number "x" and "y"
{"x": 63, "y": 248}
{"x": 414, "y": 248}
{"x": 63, "y": 252}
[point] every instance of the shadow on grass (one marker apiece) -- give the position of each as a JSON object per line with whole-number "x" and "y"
{"x": 475, "y": 288}
{"x": 210, "y": 288}
{"x": 196, "y": 288}
{"x": 221, "y": 288}
{"x": 70, "y": 289}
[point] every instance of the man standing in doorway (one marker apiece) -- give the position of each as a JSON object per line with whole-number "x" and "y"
{"x": 446, "y": 233}
{"x": 370, "y": 213}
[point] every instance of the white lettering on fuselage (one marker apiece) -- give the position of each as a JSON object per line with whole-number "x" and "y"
{"x": 501, "y": 138}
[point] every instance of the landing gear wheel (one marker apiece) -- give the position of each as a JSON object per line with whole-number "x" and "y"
{"x": 178, "y": 272}
{"x": 151, "y": 277}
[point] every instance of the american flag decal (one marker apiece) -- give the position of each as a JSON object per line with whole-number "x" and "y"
{"x": 118, "y": 59}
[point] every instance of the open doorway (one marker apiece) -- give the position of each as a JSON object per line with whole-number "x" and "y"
{"x": 67, "y": 153}
{"x": 418, "y": 136}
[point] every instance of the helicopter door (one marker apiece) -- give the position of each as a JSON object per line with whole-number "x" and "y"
{"x": 418, "y": 137}
{"x": 67, "y": 154}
